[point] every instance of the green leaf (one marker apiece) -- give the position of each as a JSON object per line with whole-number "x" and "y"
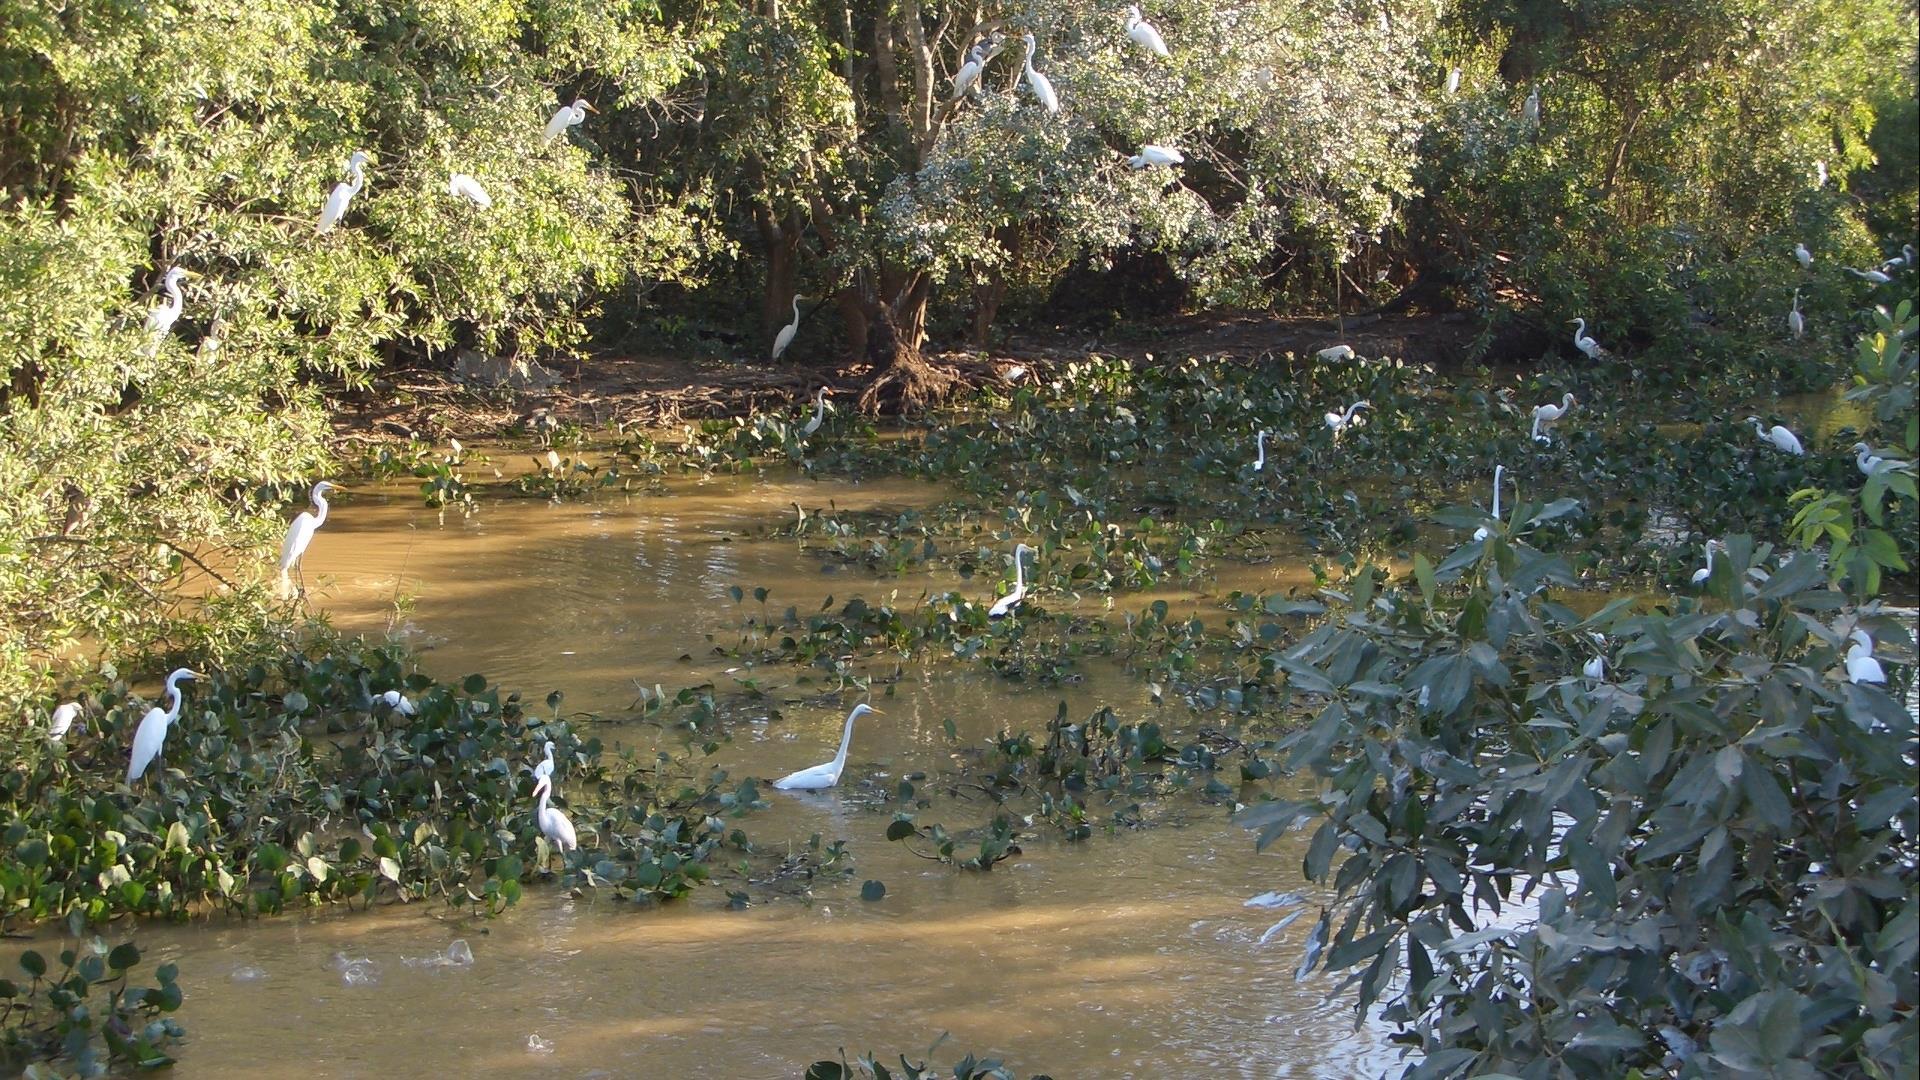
{"x": 872, "y": 890}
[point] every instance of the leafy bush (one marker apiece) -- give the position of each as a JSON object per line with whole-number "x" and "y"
{"x": 52, "y": 1024}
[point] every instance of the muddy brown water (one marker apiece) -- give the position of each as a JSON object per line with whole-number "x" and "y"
{"x": 1133, "y": 954}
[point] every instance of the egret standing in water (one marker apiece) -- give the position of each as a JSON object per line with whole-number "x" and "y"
{"x": 1339, "y": 422}
{"x": 300, "y": 534}
{"x": 1156, "y": 155}
{"x": 468, "y": 188}
{"x": 161, "y": 319}
{"x": 151, "y": 735}
{"x": 1545, "y": 416}
{"x": 567, "y": 116}
{"x": 819, "y": 413}
{"x": 1585, "y": 343}
{"x": 1041, "y": 86}
{"x": 821, "y": 777}
{"x": 343, "y": 192}
{"x": 1499, "y": 473}
{"x": 1779, "y": 437}
{"x": 554, "y": 823}
{"x": 1795, "y": 321}
{"x": 1142, "y": 33}
{"x": 1260, "y": 451}
{"x": 785, "y": 337}
{"x": 1861, "y": 666}
{"x": 1005, "y": 606}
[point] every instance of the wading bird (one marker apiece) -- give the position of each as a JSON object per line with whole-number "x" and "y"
{"x": 1878, "y": 277}
{"x": 1041, "y": 86}
{"x": 969, "y": 73}
{"x": 1530, "y": 112}
{"x": 785, "y": 337}
{"x": 567, "y": 116}
{"x": 1260, "y": 451}
{"x": 161, "y": 319}
{"x": 543, "y": 770}
{"x": 825, "y": 776}
{"x": 151, "y": 735}
{"x": 1584, "y": 342}
{"x": 1335, "y": 354}
{"x": 398, "y": 702}
{"x": 300, "y": 534}
{"x": 1871, "y": 463}
{"x": 1142, "y": 33}
{"x": 819, "y": 412}
{"x": 1156, "y": 155}
{"x": 62, "y": 720}
{"x": 1595, "y": 668}
{"x": 468, "y": 188}
{"x": 1905, "y": 258}
{"x": 1861, "y": 666}
{"x": 555, "y": 825}
{"x": 1453, "y": 81}
{"x": 1780, "y": 437}
{"x": 1545, "y": 416}
{"x": 343, "y": 192}
{"x": 1801, "y": 253}
{"x": 1005, "y": 606}
{"x": 1339, "y": 422}
{"x": 1796, "y": 323}
{"x": 1499, "y": 473}
{"x": 1701, "y": 575}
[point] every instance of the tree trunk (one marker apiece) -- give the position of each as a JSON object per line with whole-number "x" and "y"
{"x": 986, "y": 305}
{"x": 905, "y": 382}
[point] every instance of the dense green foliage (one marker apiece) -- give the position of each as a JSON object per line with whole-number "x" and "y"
{"x": 54, "y": 1024}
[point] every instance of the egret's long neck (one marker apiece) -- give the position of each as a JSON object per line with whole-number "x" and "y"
{"x": 820, "y": 406}
{"x": 320, "y": 501}
{"x": 173, "y": 293}
{"x": 545, "y": 789}
{"x": 359, "y": 177}
{"x": 173, "y": 700}
{"x": 1579, "y": 329}
{"x": 1029, "y": 60}
{"x": 1498, "y": 472}
{"x": 1260, "y": 444}
{"x": 796, "y": 309}
{"x": 1019, "y": 572}
{"x": 846, "y": 740}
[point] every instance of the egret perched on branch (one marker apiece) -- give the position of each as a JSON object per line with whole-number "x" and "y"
{"x": 819, "y": 412}
{"x": 300, "y": 534}
{"x": 62, "y": 720}
{"x": 1705, "y": 572}
{"x": 543, "y": 770}
{"x": 151, "y": 735}
{"x": 555, "y": 825}
{"x": 825, "y": 776}
{"x": 1335, "y": 354}
{"x": 1780, "y": 437}
{"x": 1260, "y": 451}
{"x": 1142, "y": 33}
{"x": 1861, "y": 666}
{"x": 1338, "y": 422}
{"x": 1545, "y": 416}
{"x": 1040, "y": 85}
{"x": 1005, "y": 606}
{"x": 567, "y": 116}
{"x": 1530, "y": 112}
{"x": 1156, "y": 155}
{"x": 343, "y": 192}
{"x": 1796, "y": 322}
{"x": 1499, "y": 473}
{"x": 785, "y": 337}
{"x": 969, "y": 73}
{"x": 1584, "y": 342}
{"x": 398, "y": 702}
{"x": 161, "y": 319}
{"x": 1453, "y": 81}
{"x": 466, "y": 186}
{"x": 1801, "y": 253}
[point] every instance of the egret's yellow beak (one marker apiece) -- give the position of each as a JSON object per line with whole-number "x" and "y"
{"x": 589, "y": 106}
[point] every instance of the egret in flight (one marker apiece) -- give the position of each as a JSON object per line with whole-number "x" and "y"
{"x": 544, "y": 769}
{"x": 300, "y": 534}
{"x": 1796, "y": 322}
{"x": 567, "y": 116}
{"x": 1041, "y": 86}
{"x": 819, "y": 413}
{"x": 161, "y": 319}
{"x": 343, "y": 192}
{"x": 1260, "y": 451}
{"x": 821, "y": 777}
{"x": 1545, "y": 416}
{"x": 467, "y": 187}
{"x": 1156, "y": 155}
{"x": 555, "y": 825}
{"x": 785, "y": 337}
{"x": 1584, "y": 342}
{"x": 151, "y": 735}
{"x": 1780, "y": 437}
{"x": 1005, "y": 606}
{"x": 1499, "y": 473}
{"x": 62, "y": 720}
{"x": 1801, "y": 253}
{"x": 1339, "y": 422}
{"x": 1701, "y": 575}
{"x": 1861, "y": 666}
{"x": 1335, "y": 354}
{"x": 1142, "y": 33}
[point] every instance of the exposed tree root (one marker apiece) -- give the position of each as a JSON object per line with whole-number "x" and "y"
{"x": 906, "y": 383}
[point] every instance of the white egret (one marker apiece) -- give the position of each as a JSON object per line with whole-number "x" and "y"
{"x": 151, "y": 735}
{"x": 1820, "y": 174}
{"x": 819, "y": 412}
{"x": 1335, "y": 354}
{"x": 343, "y": 192}
{"x": 543, "y": 770}
{"x": 1801, "y": 253}
{"x": 1701, "y": 575}
{"x": 1499, "y": 473}
{"x": 1530, "y": 112}
{"x": 1796, "y": 322}
{"x": 161, "y": 319}
{"x": 969, "y": 73}
{"x": 300, "y": 534}
{"x": 1878, "y": 277}
{"x": 1595, "y": 668}
{"x": 1005, "y": 606}
{"x": 398, "y": 702}
{"x": 1260, "y": 451}
{"x": 1780, "y": 437}
{"x": 785, "y": 337}
{"x": 1545, "y": 416}
{"x": 1339, "y": 422}
{"x": 1142, "y": 33}
{"x": 555, "y": 825}
{"x": 467, "y": 187}
{"x": 1453, "y": 81}
{"x": 567, "y": 116}
{"x": 825, "y": 776}
{"x": 1041, "y": 86}
{"x": 1156, "y": 155}
{"x": 1905, "y": 258}
{"x": 1584, "y": 342}
{"x": 1861, "y": 666}
{"x": 62, "y": 720}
